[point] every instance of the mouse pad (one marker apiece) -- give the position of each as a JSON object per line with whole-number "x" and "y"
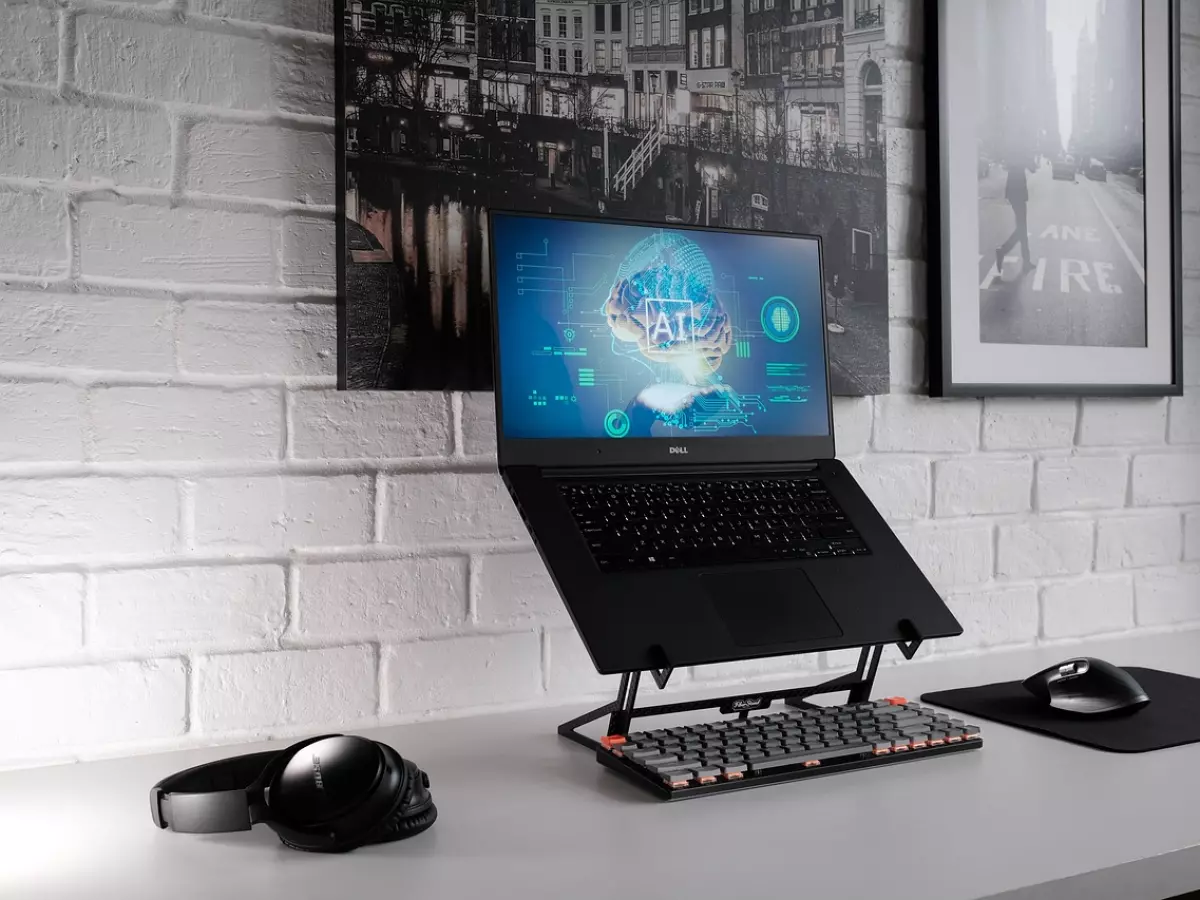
{"x": 1171, "y": 718}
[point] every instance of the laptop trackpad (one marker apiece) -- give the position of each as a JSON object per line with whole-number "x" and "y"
{"x": 775, "y": 607}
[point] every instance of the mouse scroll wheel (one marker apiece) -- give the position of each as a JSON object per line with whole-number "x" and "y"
{"x": 1078, "y": 667}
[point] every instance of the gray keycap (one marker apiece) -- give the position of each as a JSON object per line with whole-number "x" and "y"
{"x": 706, "y": 772}
{"x": 917, "y": 737}
{"x": 755, "y": 756}
{"x": 640, "y": 755}
{"x": 937, "y": 736}
{"x": 734, "y": 769}
{"x": 881, "y": 745}
{"x": 825, "y": 754}
{"x": 659, "y": 765}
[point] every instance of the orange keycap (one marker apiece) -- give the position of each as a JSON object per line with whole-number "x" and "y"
{"x": 612, "y": 740}
{"x": 897, "y": 701}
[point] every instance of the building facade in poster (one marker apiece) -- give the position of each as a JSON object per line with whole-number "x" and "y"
{"x": 763, "y": 114}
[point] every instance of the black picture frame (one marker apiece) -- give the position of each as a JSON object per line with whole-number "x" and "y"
{"x": 943, "y": 380}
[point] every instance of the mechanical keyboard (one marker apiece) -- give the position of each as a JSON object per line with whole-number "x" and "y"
{"x": 634, "y": 525}
{"x": 757, "y": 750}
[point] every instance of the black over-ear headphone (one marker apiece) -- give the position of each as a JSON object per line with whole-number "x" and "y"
{"x": 327, "y": 794}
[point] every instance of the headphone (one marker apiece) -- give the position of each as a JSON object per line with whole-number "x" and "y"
{"x": 327, "y": 794}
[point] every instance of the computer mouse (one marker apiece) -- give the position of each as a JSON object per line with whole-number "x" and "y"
{"x": 1089, "y": 687}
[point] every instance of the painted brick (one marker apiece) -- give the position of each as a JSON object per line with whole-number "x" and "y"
{"x": 905, "y": 26}
{"x": 995, "y": 615}
{"x": 906, "y": 355}
{"x": 176, "y": 64}
{"x": 904, "y": 93}
{"x": 118, "y": 145}
{"x": 1190, "y": 22}
{"x": 252, "y": 691}
{"x": 515, "y": 588}
{"x": 1191, "y": 342}
{"x": 1131, "y": 542}
{"x": 309, "y": 253}
{"x": 1109, "y": 422}
{"x": 32, "y": 138}
{"x": 302, "y": 76}
{"x": 33, "y": 234}
{"x": 227, "y": 606}
{"x": 1191, "y": 186}
{"x": 1044, "y": 547}
{"x": 905, "y": 224}
{"x": 282, "y": 512}
{"x": 28, "y": 44}
{"x": 404, "y": 598}
{"x": 1191, "y": 291}
{"x": 950, "y": 555}
{"x": 908, "y": 288}
{"x": 904, "y": 423}
{"x": 1028, "y": 424}
{"x": 85, "y": 517}
{"x": 441, "y": 507}
{"x": 479, "y": 424}
{"x": 1167, "y": 597}
{"x": 906, "y": 158}
{"x": 306, "y": 15}
{"x": 570, "y": 671}
{"x": 182, "y": 244}
{"x": 1089, "y": 606}
{"x": 43, "y": 617}
{"x": 1191, "y": 221}
{"x": 1191, "y": 544}
{"x": 1185, "y": 419}
{"x": 1082, "y": 482}
{"x": 256, "y": 161}
{"x": 51, "y": 712}
{"x": 71, "y": 331}
{"x": 1166, "y": 478}
{"x": 342, "y": 425}
{"x": 982, "y": 486}
{"x": 256, "y": 338}
{"x": 899, "y": 488}
{"x": 852, "y": 424}
{"x": 41, "y": 422}
{"x": 159, "y": 423}
{"x": 1190, "y": 123}
{"x": 487, "y": 670}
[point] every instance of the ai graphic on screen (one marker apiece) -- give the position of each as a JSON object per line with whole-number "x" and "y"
{"x": 632, "y": 331}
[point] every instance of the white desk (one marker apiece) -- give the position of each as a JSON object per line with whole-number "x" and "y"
{"x": 525, "y": 814}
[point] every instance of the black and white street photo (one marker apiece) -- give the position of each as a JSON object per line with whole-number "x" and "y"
{"x": 763, "y": 114}
{"x": 1061, "y": 172}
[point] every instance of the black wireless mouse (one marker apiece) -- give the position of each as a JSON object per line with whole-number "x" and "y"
{"x": 1088, "y": 686}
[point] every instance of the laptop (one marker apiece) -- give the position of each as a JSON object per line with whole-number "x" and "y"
{"x": 665, "y": 429}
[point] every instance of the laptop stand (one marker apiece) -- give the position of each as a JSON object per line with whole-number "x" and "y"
{"x": 624, "y": 709}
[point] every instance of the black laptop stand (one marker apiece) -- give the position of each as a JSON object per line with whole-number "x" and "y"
{"x": 624, "y": 709}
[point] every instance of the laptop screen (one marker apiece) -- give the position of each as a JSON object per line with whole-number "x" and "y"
{"x": 615, "y": 330}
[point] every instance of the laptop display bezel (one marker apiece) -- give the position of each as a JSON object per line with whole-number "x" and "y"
{"x": 676, "y": 451}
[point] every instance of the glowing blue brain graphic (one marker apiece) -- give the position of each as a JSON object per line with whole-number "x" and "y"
{"x": 664, "y": 301}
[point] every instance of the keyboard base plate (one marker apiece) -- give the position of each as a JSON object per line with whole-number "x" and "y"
{"x": 656, "y": 786}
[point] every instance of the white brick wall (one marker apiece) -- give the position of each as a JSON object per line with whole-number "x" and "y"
{"x": 201, "y": 540}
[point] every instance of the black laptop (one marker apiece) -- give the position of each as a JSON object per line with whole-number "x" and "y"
{"x": 665, "y": 429}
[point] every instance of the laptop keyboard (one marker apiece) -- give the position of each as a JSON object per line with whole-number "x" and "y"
{"x": 796, "y": 743}
{"x": 636, "y": 525}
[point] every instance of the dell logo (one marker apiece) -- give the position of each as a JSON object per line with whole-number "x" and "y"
{"x": 675, "y": 450}
{"x": 318, "y": 778}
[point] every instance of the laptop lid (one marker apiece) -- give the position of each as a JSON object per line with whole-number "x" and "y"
{"x": 627, "y": 343}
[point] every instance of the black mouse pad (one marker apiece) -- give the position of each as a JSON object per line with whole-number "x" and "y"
{"x": 1171, "y": 718}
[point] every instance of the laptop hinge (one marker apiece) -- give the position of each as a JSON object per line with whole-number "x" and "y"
{"x": 715, "y": 468}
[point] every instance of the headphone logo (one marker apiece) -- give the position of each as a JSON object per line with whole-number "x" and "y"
{"x": 318, "y": 778}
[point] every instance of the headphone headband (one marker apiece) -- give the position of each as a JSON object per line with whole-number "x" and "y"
{"x": 225, "y": 795}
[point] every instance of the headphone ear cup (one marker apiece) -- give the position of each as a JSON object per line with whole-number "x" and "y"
{"x": 400, "y": 826}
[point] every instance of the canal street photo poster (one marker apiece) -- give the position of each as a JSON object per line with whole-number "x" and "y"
{"x": 759, "y": 114}
{"x": 1057, "y": 125}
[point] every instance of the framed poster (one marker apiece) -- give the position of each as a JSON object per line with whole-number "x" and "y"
{"x": 762, "y": 114}
{"x": 1055, "y": 197}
